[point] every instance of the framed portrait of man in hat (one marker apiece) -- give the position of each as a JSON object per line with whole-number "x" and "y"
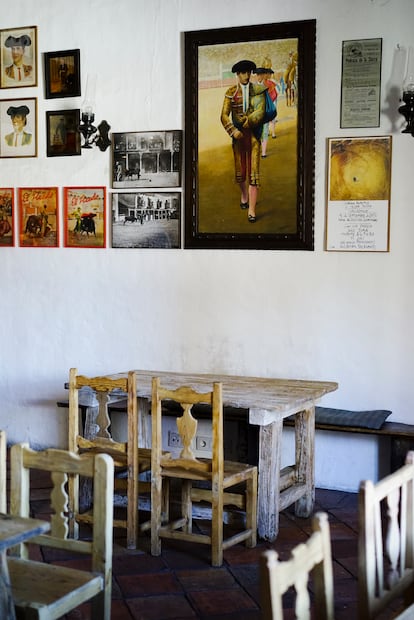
{"x": 18, "y": 127}
{"x": 18, "y": 57}
{"x": 249, "y": 140}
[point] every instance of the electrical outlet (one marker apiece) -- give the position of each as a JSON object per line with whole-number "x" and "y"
{"x": 174, "y": 439}
{"x": 203, "y": 443}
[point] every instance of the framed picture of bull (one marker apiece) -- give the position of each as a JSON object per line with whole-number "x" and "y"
{"x": 249, "y": 140}
{"x": 38, "y": 217}
{"x": 84, "y": 217}
{"x": 62, "y": 74}
{"x": 6, "y": 217}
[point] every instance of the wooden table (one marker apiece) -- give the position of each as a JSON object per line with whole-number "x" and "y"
{"x": 269, "y": 401}
{"x": 13, "y": 531}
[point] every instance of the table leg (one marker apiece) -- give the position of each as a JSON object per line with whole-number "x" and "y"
{"x": 305, "y": 459}
{"x": 270, "y": 439}
{"x": 6, "y": 598}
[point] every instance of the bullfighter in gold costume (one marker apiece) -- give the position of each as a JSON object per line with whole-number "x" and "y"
{"x": 242, "y": 117}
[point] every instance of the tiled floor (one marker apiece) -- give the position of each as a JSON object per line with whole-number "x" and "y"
{"x": 181, "y": 583}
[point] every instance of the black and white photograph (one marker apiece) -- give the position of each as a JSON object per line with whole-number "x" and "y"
{"x": 146, "y": 220}
{"x": 146, "y": 159}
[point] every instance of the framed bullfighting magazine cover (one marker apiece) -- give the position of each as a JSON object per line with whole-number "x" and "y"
{"x": 84, "y": 217}
{"x": 38, "y": 217}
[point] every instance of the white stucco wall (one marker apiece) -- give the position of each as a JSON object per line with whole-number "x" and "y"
{"x": 345, "y": 317}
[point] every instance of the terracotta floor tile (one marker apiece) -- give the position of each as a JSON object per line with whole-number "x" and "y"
{"x": 205, "y": 579}
{"x": 161, "y": 608}
{"x": 148, "y": 584}
{"x": 223, "y": 602}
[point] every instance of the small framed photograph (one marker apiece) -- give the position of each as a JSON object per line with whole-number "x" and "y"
{"x": 18, "y": 57}
{"x": 38, "y": 217}
{"x": 146, "y": 159}
{"x": 146, "y": 220}
{"x": 62, "y": 133}
{"x": 62, "y": 74}
{"x": 84, "y": 217}
{"x": 358, "y": 194}
{"x": 6, "y": 217}
{"x": 18, "y": 127}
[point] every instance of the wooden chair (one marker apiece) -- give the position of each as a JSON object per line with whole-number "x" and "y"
{"x": 129, "y": 459}
{"x": 386, "y": 541}
{"x": 46, "y": 591}
{"x": 216, "y": 475}
{"x": 312, "y": 558}
{"x": 3, "y": 471}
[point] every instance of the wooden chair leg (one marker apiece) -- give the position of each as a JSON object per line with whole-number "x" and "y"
{"x": 186, "y": 505}
{"x": 132, "y": 513}
{"x": 156, "y": 495}
{"x": 216, "y": 528}
{"x": 251, "y": 510}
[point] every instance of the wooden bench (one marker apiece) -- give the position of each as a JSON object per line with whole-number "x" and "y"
{"x": 401, "y": 437}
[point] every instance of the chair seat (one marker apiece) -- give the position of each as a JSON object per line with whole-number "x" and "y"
{"x": 37, "y": 584}
{"x": 232, "y": 475}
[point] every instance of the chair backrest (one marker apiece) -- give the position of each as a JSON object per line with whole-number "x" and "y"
{"x": 60, "y": 464}
{"x": 386, "y": 540}
{"x": 310, "y": 558}
{"x": 3, "y": 472}
{"x": 102, "y": 438}
{"x": 187, "y": 424}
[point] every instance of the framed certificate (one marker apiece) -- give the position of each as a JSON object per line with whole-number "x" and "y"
{"x": 361, "y": 83}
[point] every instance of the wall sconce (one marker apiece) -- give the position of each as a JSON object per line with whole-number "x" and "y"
{"x": 407, "y": 110}
{"x": 92, "y": 136}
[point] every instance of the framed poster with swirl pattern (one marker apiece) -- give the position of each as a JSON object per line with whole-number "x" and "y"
{"x": 358, "y": 194}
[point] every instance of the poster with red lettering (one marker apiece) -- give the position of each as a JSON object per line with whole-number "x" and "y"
{"x": 84, "y": 217}
{"x": 38, "y": 217}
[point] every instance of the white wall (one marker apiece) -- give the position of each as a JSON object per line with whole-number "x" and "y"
{"x": 345, "y": 317}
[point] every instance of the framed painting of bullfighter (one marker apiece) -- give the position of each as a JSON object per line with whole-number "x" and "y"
{"x": 18, "y": 127}
{"x": 84, "y": 217}
{"x": 18, "y": 57}
{"x": 38, "y": 217}
{"x": 249, "y": 140}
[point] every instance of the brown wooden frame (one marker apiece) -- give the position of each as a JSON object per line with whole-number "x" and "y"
{"x": 226, "y": 46}
{"x": 30, "y": 56}
{"x": 58, "y": 84}
{"x": 66, "y": 142}
{"x": 29, "y": 149}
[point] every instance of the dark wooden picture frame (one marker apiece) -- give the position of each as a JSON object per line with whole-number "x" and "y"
{"x": 62, "y": 133}
{"x": 285, "y": 207}
{"x": 62, "y": 74}
{"x": 18, "y": 60}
